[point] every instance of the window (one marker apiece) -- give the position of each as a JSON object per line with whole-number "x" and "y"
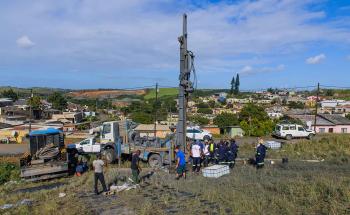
{"x": 84, "y": 142}
{"x": 278, "y": 128}
{"x": 330, "y": 130}
{"x": 107, "y": 128}
{"x": 293, "y": 127}
{"x": 322, "y": 130}
{"x": 344, "y": 130}
{"x": 301, "y": 129}
{"x": 285, "y": 128}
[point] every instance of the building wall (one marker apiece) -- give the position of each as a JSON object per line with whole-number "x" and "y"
{"x": 336, "y": 129}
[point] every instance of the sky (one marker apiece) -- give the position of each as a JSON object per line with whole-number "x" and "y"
{"x": 128, "y": 44}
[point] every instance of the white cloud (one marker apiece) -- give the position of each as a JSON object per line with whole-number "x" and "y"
{"x": 24, "y": 42}
{"x": 316, "y": 59}
{"x": 250, "y": 69}
{"x": 246, "y": 69}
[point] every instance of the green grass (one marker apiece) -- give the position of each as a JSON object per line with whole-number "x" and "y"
{"x": 293, "y": 188}
{"x": 151, "y": 94}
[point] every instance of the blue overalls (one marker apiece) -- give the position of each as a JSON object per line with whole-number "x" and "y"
{"x": 232, "y": 154}
{"x": 260, "y": 156}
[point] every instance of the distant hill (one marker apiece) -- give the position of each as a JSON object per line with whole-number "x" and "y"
{"x": 104, "y": 93}
{"x": 151, "y": 93}
{"x": 41, "y": 91}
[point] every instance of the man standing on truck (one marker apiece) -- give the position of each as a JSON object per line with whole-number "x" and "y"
{"x": 98, "y": 169}
{"x": 135, "y": 166}
{"x": 180, "y": 163}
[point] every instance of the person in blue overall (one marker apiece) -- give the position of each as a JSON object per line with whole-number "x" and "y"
{"x": 260, "y": 154}
{"x": 232, "y": 153}
{"x": 222, "y": 152}
{"x": 180, "y": 163}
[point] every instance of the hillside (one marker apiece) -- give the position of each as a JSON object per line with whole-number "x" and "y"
{"x": 92, "y": 94}
{"x": 162, "y": 92}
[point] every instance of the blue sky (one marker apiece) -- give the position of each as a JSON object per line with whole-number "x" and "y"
{"x": 126, "y": 44}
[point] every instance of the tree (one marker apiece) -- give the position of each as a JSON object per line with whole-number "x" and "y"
{"x": 202, "y": 105}
{"x": 205, "y": 110}
{"x": 250, "y": 111}
{"x": 224, "y": 120}
{"x": 296, "y": 105}
{"x": 254, "y": 121}
{"x": 35, "y": 102}
{"x": 211, "y": 104}
{"x": 233, "y": 83}
{"x": 237, "y": 85}
{"x": 10, "y": 94}
{"x": 199, "y": 120}
{"x": 141, "y": 117}
{"x": 58, "y": 101}
{"x": 347, "y": 115}
{"x": 329, "y": 92}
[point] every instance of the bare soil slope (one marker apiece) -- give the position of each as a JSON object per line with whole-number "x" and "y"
{"x": 104, "y": 93}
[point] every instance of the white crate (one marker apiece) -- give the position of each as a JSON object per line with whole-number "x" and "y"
{"x": 273, "y": 144}
{"x": 216, "y": 171}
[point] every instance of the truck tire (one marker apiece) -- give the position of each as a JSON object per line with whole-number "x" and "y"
{"x": 155, "y": 161}
{"x": 310, "y": 136}
{"x": 289, "y": 137}
{"x": 109, "y": 155}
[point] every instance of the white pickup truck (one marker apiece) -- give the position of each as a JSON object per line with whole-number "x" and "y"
{"x": 289, "y": 131}
{"x": 88, "y": 145}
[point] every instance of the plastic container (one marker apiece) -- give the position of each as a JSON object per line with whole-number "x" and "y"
{"x": 216, "y": 171}
{"x": 273, "y": 144}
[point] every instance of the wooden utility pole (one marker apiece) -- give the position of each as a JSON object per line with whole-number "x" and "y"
{"x": 30, "y": 110}
{"x": 155, "y": 112}
{"x": 316, "y": 105}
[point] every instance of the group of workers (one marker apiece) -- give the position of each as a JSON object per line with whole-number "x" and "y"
{"x": 223, "y": 152}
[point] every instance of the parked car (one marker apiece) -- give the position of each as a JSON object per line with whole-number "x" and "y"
{"x": 198, "y": 134}
{"x": 290, "y": 131}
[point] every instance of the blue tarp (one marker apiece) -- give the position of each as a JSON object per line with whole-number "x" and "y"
{"x": 45, "y": 132}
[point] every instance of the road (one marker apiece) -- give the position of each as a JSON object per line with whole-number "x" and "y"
{"x": 13, "y": 149}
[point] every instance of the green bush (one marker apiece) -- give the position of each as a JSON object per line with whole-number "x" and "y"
{"x": 8, "y": 172}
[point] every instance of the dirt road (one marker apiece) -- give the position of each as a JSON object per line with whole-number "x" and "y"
{"x": 13, "y": 149}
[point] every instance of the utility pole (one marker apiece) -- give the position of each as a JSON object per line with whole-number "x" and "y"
{"x": 155, "y": 112}
{"x": 185, "y": 86}
{"x": 316, "y": 105}
{"x": 30, "y": 110}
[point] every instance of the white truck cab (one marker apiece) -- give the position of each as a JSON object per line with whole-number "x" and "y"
{"x": 88, "y": 145}
{"x": 289, "y": 131}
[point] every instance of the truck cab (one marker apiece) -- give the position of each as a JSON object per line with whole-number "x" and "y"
{"x": 89, "y": 145}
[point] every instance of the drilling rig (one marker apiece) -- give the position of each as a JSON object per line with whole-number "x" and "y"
{"x": 185, "y": 85}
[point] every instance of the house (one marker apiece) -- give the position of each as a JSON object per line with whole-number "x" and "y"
{"x": 213, "y": 129}
{"x": 72, "y": 117}
{"x": 325, "y": 123}
{"x": 5, "y": 102}
{"x": 147, "y": 130}
{"x": 234, "y": 131}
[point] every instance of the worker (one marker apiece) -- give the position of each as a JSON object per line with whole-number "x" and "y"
{"x": 180, "y": 163}
{"x": 232, "y": 153}
{"x": 260, "y": 154}
{"x": 222, "y": 152}
{"x": 196, "y": 153}
{"x": 212, "y": 151}
{"x": 206, "y": 153}
{"x": 135, "y": 166}
{"x": 98, "y": 176}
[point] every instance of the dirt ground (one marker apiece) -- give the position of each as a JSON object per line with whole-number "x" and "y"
{"x": 105, "y": 93}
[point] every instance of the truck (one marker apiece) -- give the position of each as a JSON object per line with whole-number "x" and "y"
{"x": 47, "y": 156}
{"x": 290, "y": 131}
{"x": 118, "y": 138}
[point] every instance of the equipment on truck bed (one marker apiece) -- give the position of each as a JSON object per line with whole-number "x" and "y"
{"x": 47, "y": 157}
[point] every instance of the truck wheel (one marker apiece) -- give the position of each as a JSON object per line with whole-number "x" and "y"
{"x": 109, "y": 155}
{"x": 155, "y": 161}
{"x": 289, "y": 137}
{"x": 310, "y": 136}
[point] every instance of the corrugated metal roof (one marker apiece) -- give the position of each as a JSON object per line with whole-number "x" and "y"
{"x": 311, "y": 118}
{"x": 336, "y": 119}
{"x": 150, "y": 127}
